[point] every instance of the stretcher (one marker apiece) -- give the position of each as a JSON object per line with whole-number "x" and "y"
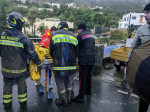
{"x": 35, "y": 74}
{"x": 46, "y": 83}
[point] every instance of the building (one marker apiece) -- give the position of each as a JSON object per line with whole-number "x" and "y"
{"x": 132, "y": 18}
{"x": 55, "y": 4}
{"x": 23, "y": 1}
{"x": 48, "y": 9}
{"x": 72, "y": 5}
{"x": 21, "y": 6}
{"x": 49, "y": 22}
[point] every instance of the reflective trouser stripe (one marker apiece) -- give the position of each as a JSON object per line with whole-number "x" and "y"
{"x": 69, "y": 89}
{"x": 22, "y": 98}
{"x": 65, "y": 68}
{"x": 7, "y": 101}
{"x": 7, "y": 98}
{"x": 13, "y": 71}
{"x": 23, "y": 95}
{"x": 63, "y": 91}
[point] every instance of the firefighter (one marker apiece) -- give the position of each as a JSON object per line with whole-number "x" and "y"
{"x": 63, "y": 49}
{"x": 71, "y": 30}
{"x": 15, "y": 47}
{"x": 45, "y": 40}
{"x": 86, "y": 60}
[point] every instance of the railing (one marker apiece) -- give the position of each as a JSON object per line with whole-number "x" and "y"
{"x": 36, "y": 40}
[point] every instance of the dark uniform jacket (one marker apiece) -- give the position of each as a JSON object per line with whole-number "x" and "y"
{"x": 86, "y": 48}
{"x": 63, "y": 49}
{"x": 15, "y": 47}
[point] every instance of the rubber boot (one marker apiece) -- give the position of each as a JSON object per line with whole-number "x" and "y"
{"x": 72, "y": 95}
{"x": 69, "y": 96}
{"x": 62, "y": 101}
{"x": 23, "y": 104}
{"x": 79, "y": 99}
{"x": 7, "y": 105}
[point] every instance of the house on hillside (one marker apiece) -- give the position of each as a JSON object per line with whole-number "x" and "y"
{"x": 48, "y": 9}
{"x": 21, "y": 6}
{"x": 132, "y": 18}
{"x": 23, "y": 1}
{"x": 55, "y": 4}
{"x": 72, "y": 5}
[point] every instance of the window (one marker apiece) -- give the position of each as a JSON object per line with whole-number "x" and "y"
{"x": 124, "y": 19}
{"x": 141, "y": 18}
{"x": 133, "y": 17}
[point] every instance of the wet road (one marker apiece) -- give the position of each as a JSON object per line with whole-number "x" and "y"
{"x": 106, "y": 97}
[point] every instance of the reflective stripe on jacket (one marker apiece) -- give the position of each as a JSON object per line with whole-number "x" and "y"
{"x": 45, "y": 40}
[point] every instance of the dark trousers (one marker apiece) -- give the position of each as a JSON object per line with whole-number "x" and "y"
{"x": 84, "y": 79}
{"x": 64, "y": 86}
{"x": 143, "y": 106}
{"x": 8, "y": 86}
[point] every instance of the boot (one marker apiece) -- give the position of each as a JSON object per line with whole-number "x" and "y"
{"x": 79, "y": 99}
{"x": 69, "y": 94}
{"x": 88, "y": 93}
{"x": 62, "y": 101}
{"x": 23, "y": 104}
{"x": 7, "y": 105}
{"x": 72, "y": 95}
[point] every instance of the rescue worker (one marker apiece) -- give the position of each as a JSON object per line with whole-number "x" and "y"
{"x": 72, "y": 93}
{"x": 71, "y": 30}
{"x": 86, "y": 60}
{"x": 45, "y": 40}
{"x": 142, "y": 36}
{"x": 63, "y": 49}
{"x": 15, "y": 47}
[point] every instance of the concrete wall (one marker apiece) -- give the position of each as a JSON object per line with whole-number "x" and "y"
{"x": 49, "y": 22}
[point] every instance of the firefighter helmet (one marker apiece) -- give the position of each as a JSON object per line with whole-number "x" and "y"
{"x": 16, "y": 20}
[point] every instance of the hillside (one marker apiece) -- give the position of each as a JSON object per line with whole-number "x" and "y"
{"x": 122, "y": 6}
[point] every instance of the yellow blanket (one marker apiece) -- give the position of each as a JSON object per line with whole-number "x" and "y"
{"x": 42, "y": 53}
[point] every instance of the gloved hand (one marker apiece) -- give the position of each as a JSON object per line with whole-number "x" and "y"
{"x": 126, "y": 64}
{"x": 46, "y": 66}
{"x": 39, "y": 67}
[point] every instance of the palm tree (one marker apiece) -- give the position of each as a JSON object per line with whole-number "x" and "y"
{"x": 32, "y": 15}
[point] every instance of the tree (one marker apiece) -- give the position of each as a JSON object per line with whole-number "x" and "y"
{"x": 42, "y": 28}
{"x": 2, "y": 19}
{"x": 32, "y": 15}
{"x": 26, "y": 25}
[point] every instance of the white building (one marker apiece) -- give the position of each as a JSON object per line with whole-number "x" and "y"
{"x": 97, "y": 7}
{"x": 72, "y": 5}
{"x": 56, "y": 4}
{"x": 23, "y": 1}
{"x": 132, "y": 18}
{"x": 21, "y": 6}
{"x": 48, "y": 9}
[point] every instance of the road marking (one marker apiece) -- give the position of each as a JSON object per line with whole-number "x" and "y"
{"x": 124, "y": 92}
